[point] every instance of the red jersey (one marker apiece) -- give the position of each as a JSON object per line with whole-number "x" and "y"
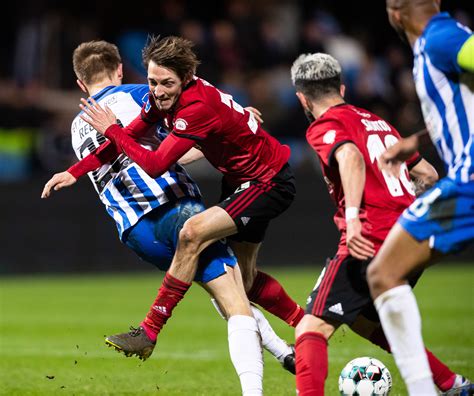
{"x": 385, "y": 197}
{"x": 227, "y": 134}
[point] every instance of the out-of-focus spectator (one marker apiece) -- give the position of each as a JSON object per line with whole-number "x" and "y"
{"x": 246, "y": 47}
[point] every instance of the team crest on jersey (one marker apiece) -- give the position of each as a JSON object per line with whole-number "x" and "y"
{"x": 180, "y": 124}
{"x": 329, "y": 137}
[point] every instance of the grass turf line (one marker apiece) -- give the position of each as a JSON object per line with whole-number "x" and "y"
{"x": 52, "y": 331}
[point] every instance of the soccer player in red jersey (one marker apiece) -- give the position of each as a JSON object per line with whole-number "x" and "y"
{"x": 348, "y": 140}
{"x": 258, "y": 184}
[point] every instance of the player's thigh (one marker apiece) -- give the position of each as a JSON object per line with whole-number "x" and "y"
{"x": 214, "y": 261}
{"x": 246, "y": 253}
{"x": 142, "y": 239}
{"x": 341, "y": 292}
{"x": 400, "y": 257}
{"x": 253, "y": 204}
{"x": 208, "y": 226}
{"x": 228, "y": 294}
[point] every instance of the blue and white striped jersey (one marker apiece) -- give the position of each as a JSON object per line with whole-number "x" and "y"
{"x": 123, "y": 187}
{"x": 446, "y": 94}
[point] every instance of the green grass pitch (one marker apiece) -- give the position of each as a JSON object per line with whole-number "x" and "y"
{"x": 52, "y": 335}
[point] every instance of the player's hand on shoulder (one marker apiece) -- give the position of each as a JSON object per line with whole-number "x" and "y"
{"x": 100, "y": 118}
{"x": 58, "y": 181}
{"x": 392, "y": 159}
{"x": 359, "y": 246}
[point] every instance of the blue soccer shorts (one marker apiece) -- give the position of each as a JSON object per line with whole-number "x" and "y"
{"x": 444, "y": 215}
{"x": 155, "y": 237}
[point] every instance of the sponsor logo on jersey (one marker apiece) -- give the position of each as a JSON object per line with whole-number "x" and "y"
{"x": 329, "y": 137}
{"x": 245, "y": 220}
{"x": 336, "y": 308}
{"x": 242, "y": 187}
{"x": 180, "y": 124}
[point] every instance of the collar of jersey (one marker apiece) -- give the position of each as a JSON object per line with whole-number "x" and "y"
{"x": 101, "y": 93}
{"x": 435, "y": 18}
{"x": 183, "y": 100}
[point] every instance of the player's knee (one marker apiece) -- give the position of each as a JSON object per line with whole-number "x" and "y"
{"x": 189, "y": 236}
{"x": 377, "y": 279}
{"x": 311, "y": 323}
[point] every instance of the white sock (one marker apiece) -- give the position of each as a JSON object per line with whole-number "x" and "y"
{"x": 401, "y": 324}
{"x": 246, "y": 353}
{"x": 270, "y": 341}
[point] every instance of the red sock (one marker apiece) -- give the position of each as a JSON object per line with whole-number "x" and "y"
{"x": 171, "y": 292}
{"x": 311, "y": 364}
{"x": 443, "y": 377}
{"x": 269, "y": 294}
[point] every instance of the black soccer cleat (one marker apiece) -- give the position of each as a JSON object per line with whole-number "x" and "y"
{"x": 289, "y": 362}
{"x": 135, "y": 342}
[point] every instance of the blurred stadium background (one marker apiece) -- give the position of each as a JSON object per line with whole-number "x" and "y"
{"x": 246, "y": 48}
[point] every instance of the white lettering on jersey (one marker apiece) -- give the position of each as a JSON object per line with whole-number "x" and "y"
{"x": 379, "y": 126}
{"x": 376, "y": 148}
{"x": 228, "y": 101}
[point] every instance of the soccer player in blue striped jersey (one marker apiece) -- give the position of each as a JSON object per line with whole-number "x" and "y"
{"x": 441, "y": 221}
{"x": 149, "y": 213}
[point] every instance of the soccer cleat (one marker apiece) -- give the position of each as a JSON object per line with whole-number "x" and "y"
{"x": 289, "y": 362}
{"x": 461, "y": 387}
{"x": 135, "y": 342}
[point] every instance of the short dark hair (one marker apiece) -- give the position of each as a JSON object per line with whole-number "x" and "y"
{"x": 174, "y": 53}
{"x": 317, "y": 89}
{"x": 94, "y": 60}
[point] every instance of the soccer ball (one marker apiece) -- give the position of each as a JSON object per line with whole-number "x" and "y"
{"x": 365, "y": 376}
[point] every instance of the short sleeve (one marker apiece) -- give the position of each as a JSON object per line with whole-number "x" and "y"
{"x": 325, "y": 137}
{"x": 196, "y": 121}
{"x": 444, "y": 44}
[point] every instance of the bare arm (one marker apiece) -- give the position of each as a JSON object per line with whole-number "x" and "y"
{"x": 424, "y": 176}
{"x": 191, "y": 156}
{"x": 392, "y": 159}
{"x": 352, "y": 171}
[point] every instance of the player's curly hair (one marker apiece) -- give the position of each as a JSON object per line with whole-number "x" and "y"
{"x": 94, "y": 60}
{"x": 316, "y": 75}
{"x": 174, "y": 53}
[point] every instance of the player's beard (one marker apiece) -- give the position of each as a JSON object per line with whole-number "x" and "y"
{"x": 309, "y": 116}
